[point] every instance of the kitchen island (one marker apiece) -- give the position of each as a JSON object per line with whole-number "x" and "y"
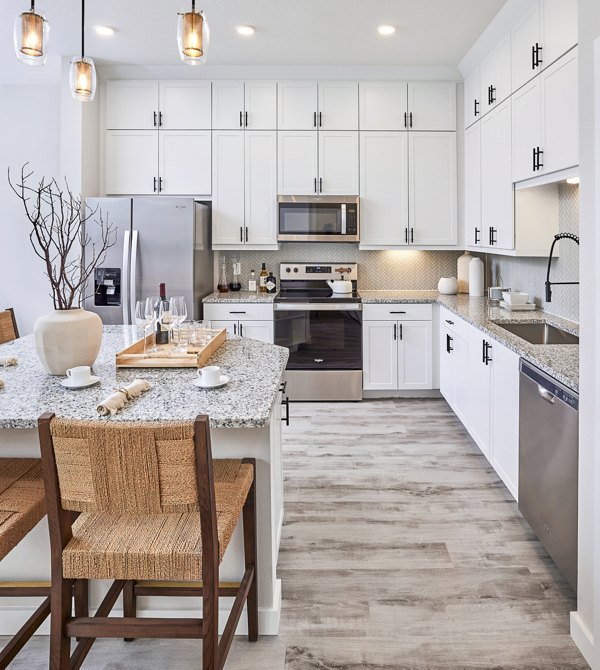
{"x": 245, "y": 419}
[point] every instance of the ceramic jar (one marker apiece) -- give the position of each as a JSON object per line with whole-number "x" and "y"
{"x": 448, "y": 286}
{"x": 463, "y": 272}
{"x": 476, "y": 277}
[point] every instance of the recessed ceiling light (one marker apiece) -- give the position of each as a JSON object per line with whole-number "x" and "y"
{"x": 573, "y": 180}
{"x": 105, "y": 31}
{"x": 386, "y": 30}
{"x": 246, "y": 30}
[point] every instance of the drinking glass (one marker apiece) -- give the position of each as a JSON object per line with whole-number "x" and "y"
{"x": 153, "y": 313}
{"x": 178, "y": 310}
{"x": 141, "y": 319}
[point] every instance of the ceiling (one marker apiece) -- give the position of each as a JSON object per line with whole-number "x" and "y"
{"x": 298, "y": 32}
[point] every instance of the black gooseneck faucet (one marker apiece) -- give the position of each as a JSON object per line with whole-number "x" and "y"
{"x": 549, "y": 284}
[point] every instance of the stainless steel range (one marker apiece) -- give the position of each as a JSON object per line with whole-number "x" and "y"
{"x": 322, "y": 330}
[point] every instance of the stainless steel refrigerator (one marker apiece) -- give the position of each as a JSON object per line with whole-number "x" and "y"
{"x": 158, "y": 240}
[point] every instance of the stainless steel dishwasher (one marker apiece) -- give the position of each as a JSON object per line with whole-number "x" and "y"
{"x": 548, "y": 460}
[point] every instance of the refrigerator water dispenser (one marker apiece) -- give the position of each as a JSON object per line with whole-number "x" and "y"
{"x": 107, "y": 287}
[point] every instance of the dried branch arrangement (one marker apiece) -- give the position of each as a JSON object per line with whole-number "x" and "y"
{"x": 60, "y": 222}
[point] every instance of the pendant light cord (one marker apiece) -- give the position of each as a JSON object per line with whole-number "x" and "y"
{"x": 82, "y": 29}
{"x": 33, "y": 6}
{"x": 193, "y": 6}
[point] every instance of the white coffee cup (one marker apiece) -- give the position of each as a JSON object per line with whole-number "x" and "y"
{"x": 80, "y": 375}
{"x": 210, "y": 375}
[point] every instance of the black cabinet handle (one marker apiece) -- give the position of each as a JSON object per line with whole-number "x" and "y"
{"x": 246, "y": 233}
{"x": 486, "y": 352}
{"x": 155, "y": 184}
{"x": 401, "y": 332}
{"x": 493, "y": 239}
{"x": 154, "y": 119}
{"x": 406, "y": 235}
{"x": 412, "y": 235}
{"x": 241, "y": 330}
{"x": 320, "y": 184}
{"x": 483, "y": 351}
{"x": 450, "y": 322}
{"x": 160, "y": 119}
{"x": 533, "y": 56}
{"x": 476, "y": 108}
{"x": 405, "y": 119}
{"x": 235, "y": 328}
{"x": 320, "y": 119}
{"x": 477, "y": 231}
{"x": 410, "y": 123}
{"x": 397, "y": 312}
{"x": 241, "y": 233}
{"x": 489, "y": 95}
{"x": 534, "y": 159}
{"x": 283, "y": 386}
{"x": 449, "y": 340}
{"x": 540, "y": 152}
{"x": 314, "y": 119}
{"x": 246, "y": 119}
{"x": 395, "y": 331}
{"x": 236, "y": 312}
{"x": 160, "y": 184}
{"x": 315, "y": 184}
{"x": 241, "y": 120}
{"x": 492, "y": 94}
{"x": 538, "y": 60}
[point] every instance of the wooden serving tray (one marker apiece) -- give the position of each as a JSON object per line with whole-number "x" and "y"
{"x": 196, "y": 356}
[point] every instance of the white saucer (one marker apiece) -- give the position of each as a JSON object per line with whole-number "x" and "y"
{"x": 198, "y": 382}
{"x": 68, "y": 383}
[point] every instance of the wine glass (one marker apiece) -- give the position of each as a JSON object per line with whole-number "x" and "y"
{"x": 152, "y": 311}
{"x": 178, "y": 310}
{"x": 141, "y": 318}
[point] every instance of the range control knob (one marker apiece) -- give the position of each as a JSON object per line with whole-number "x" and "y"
{"x": 288, "y": 269}
{"x": 295, "y": 269}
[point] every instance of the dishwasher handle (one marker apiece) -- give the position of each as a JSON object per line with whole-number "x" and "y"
{"x": 546, "y": 395}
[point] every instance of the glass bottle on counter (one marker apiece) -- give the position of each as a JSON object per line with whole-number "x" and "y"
{"x": 271, "y": 283}
{"x": 236, "y": 284}
{"x": 262, "y": 279}
{"x": 252, "y": 282}
{"x": 164, "y": 316}
{"x": 222, "y": 286}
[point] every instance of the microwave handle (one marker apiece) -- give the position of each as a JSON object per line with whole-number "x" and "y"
{"x": 343, "y": 219}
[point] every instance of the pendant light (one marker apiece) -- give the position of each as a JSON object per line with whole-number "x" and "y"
{"x": 192, "y": 36}
{"x": 82, "y": 73}
{"x": 31, "y": 37}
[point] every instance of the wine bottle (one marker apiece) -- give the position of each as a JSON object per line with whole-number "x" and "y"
{"x": 162, "y": 328}
{"x": 262, "y": 279}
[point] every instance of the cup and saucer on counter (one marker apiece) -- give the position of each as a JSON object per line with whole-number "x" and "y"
{"x": 210, "y": 377}
{"x": 80, "y": 377}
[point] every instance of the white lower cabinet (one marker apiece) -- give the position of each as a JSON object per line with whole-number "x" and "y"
{"x": 251, "y": 320}
{"x": 454, "y": 368}
{"x": 480, "y": 389}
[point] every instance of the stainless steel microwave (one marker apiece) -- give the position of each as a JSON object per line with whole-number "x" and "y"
{"x": 326, "y": 218}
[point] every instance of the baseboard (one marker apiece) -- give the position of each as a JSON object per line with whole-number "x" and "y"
{"x": 584, "y": 639}
{"x": 427, "y": 393}
{"x": 12, "y": 618}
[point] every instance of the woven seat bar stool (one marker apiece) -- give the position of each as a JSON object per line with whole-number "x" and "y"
{"x": 8, "y": 326}
{"x": 22, "y": 506}
{"x": 156, "y": 515}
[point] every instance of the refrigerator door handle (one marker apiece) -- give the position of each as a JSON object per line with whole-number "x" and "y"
{"x": 125, "y": 278}
{"x": 133, "y": 273}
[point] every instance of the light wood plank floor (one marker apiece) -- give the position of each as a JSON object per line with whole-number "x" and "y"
{"x": 401, "y": 549}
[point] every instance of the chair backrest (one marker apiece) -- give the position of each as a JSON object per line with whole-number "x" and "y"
{"x": 8, "y": 326}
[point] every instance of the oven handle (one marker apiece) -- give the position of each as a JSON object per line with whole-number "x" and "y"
{"x": 317, "y": 307}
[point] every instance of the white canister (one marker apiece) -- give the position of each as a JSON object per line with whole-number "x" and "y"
{"x": 463, "y": 272}
{"x": 448, "y": 286}
{"x": 476, "y": 276}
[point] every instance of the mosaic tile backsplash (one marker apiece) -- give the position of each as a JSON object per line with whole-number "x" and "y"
{"x": 529, "y": 274}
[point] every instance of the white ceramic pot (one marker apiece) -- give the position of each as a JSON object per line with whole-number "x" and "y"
{"x": 476, "y": 277}
{"x": 448, "y": 286}
{"x": 67, "y": 338}
{"x": 463, "y": 272}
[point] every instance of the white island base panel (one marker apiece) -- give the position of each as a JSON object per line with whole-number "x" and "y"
{"x": 30, "y": 560}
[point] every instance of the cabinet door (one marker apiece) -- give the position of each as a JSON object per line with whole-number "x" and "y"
{"x": 432, "y": 188}
{"x": 503, "y": 84}
{"x": 338, "y": 105}
{"x": 185, "y": 105}
{"x": 505, "y": 416}
{"x": 257, "y": 330}
{"x": 380, "y": 355}
{"x": 131, "y": 105}
{"x": 472, "y": 98}
{"x": 297, "y": 162}
{"x": 227, "y": 105}
{"x": 383, "y": 188}
{"x": 560, "y": 107}
{"x": 559, "y": 21}
{"x": 261, "y": 105}
{"x": 526, "y": 130}
{"x": 523, "y": 40}
{"x": 131, "y": 162}
{"x": 297, "y": 105}
{"x": 338, "y": 163}
{"x": 432, "y": 106}
{"x": 228, "y": 187}
{"x": 261, "y": 186}
{"x": 415, "y": 355}
{"x": 447, "y": 381}
{"x": 383, "y": 105}
{"x": 232, "y": 326}
{"x": 472, "y": 194}
{"x": 461, "y": 378}
{"x": 488, "y": 78}
{"x": 185, "y": 162}
{"x": 479, "y": 389}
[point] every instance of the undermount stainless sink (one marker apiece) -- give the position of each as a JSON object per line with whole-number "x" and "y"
{"x": 540, "y": 333}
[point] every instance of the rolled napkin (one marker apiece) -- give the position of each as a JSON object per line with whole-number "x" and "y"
{"x": 6, "y": 362}
{"x": 1, "y": 384}
{"x": 122, "y": 396}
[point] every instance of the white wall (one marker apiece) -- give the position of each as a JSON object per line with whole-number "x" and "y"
{"x": 30, "y": 122}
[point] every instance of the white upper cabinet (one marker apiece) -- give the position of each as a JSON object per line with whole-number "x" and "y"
{"x": 472, "y": 97}
{"x": 297, "y": 105}
{"x": 559, "y": 21}
{"x": 131, "y": 162}
{"x": 432, "y": 106}
{"x": 260, "y": 100}
{"x": 432, "y": 189}
{"x": 131, "y": 105}
{"x": 472, "y": 193}
{"x": 297, "y": 162}
{"x": 338, "y": 163}
{"x": 383, "y": 105}
{"x": 228, "y": 105}
{"x": 560, "y": 128}
{"x": 185, "y": 105}
{"x": 383, "y": 188}
{"x": 228, "y": 188}
{"x": 495, "y": 74}
{"x": 185, "y": 162}
{"x": 526, "y": 130}
{"x": 261, "y": 187}
{"x": 338, "y": 105}
{"x": 526, "y": 47}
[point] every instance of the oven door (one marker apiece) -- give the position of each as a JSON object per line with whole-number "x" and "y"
{"x": 320, "y": 336}
{"x": 318, "y": 220}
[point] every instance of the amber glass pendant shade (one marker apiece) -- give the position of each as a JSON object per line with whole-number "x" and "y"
{"x": 82, "y": 79}
{"x": 192, "y": 37}
{"x": 31, "y": 38}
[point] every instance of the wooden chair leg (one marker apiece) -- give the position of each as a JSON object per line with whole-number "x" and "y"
{"x": 129, "y": 604}
{"x": 60, "y": 644}
{"x": 81, "y": 594}
{"x": 250, "y": 555}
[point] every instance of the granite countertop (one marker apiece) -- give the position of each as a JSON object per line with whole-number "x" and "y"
{"x": 254, "y": 368}
{"x": 561, "y": 361}
{"x": 240, "y": 296}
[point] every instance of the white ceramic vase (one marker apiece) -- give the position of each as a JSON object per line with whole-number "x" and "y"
{"x": 448, "y": 286}
{"x": 476, "y": 277}
{"x": 463, "y": 272}
{"x": 67, "y": 338}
